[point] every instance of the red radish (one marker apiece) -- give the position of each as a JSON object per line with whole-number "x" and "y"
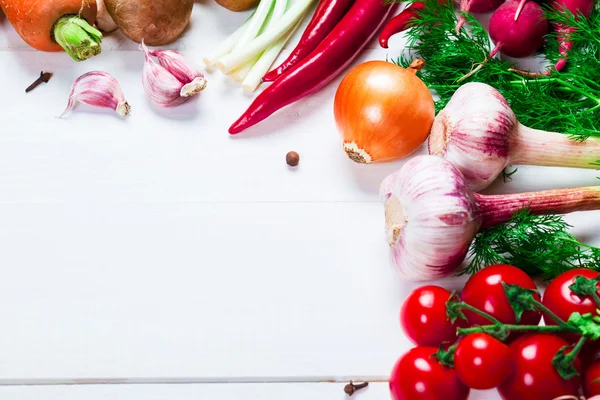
{"x": 520, "y": 38}
{"x": 476, "y": 6}
{"x": 576, "y": 7}
{"x": 584, "y": 7}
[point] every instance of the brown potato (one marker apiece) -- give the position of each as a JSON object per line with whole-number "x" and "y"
{"x": 157, "y": 22}
{"x": 238, "y": 5}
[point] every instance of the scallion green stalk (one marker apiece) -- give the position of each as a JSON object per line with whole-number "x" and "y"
{"x": 263, "y": 65}
{"x": 269, "y": 37}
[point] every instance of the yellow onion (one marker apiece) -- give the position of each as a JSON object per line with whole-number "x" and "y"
{"x": 383, "y": 112}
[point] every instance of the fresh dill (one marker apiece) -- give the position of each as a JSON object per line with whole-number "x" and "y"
{"x": 566, "y": 102}
{"x": 539, "y": 245}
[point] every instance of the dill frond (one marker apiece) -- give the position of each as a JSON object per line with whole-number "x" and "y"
{"x": 566, "y": 102}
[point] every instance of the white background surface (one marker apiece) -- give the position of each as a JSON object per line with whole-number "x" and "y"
{"x": 160, "y": 249}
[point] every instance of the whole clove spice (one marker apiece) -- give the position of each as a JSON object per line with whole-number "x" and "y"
{"x": 44, "y": 78}
{"x": 351, "y": 388}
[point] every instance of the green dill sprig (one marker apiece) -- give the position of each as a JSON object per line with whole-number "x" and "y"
{"x": 540, "y": 245}
{"x": 567, "y": 102}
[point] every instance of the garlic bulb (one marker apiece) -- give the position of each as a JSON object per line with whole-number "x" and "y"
{"x": 430, "y": 218}
{"x": 98, "y": 89}
{"x": 172, "y": 81}
{"x": 431, "y": 215}
{"x": 478, "y": 132}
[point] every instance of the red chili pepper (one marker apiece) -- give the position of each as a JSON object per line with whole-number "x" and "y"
{"x": 327, "y": 15}
{"x": 400, "y": 23}
{"x": 329, "y": 59}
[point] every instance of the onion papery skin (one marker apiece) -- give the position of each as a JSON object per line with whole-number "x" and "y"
{"x": 383, "y": 112}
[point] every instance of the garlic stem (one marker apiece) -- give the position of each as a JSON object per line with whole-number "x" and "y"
{"x": 267, "y": 38}
{"x": 227, "y": 45}
{"x": 553, "y": 149}
{"x": 497, "y": 209}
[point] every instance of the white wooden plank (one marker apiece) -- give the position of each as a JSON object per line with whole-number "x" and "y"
{"x": 158, "y": 247}
{"x": 315, "y": 391}
{"x": 190, "y": 290}
{"x": 184, "y": 154}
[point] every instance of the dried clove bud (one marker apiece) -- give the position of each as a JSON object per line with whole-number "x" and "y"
{"x": 351, "y": 388}
{"x": 44, "y": 78}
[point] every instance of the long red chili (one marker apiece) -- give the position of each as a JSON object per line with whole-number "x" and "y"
{"x": 328, "y": 60}
{"x": 327, "y": 15}
{"x": 400, "y": 23}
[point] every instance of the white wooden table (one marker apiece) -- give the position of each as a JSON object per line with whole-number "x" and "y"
{"x": 157, "y": 257}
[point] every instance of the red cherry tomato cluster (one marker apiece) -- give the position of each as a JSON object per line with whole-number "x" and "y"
{"x": 522, "y": 367}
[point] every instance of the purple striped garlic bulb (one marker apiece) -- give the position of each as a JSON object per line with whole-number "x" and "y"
{"x": 479, "y": 133}
{"x": 431, "y": 215}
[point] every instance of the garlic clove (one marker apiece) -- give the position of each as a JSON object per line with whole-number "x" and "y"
{"x": 171, "y": 81}
{"x": 98, "y": 89}
{"x": 177, "y": 64}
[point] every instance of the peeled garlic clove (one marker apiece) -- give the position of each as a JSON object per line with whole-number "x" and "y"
{"x": 171, "y": 81}
{"x": 98, "y": 89}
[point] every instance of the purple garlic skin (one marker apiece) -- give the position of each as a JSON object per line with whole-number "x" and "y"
{"x": 480, "y": 135}
{"x": 476, "y": 132}
{"x": 171, "y": 81}
{"x": 98, "y": 89}
{"x": 431, "y": 218}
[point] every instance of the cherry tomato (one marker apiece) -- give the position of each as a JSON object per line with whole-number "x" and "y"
{"x": 561, "y": 300}
{"x": 482, "y": 361}
{"x": 590, "y": 352}
{"x": 484, "y": 291}
{"x": 419, "y": 376}
{"x": 423, "y": 317}
{"x": 534, "y": 376}
{"x": 591, "y": 380}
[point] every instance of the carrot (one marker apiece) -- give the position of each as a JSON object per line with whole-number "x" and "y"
{"x": 55, "y": 25}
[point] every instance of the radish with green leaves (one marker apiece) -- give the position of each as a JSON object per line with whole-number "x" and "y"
{"x": 475, "y": 6}
{"x": 576, "y": 7}
{"x": 518, "y": 38}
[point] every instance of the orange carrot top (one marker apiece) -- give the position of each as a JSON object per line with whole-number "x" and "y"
{"x": 54, "y": 25}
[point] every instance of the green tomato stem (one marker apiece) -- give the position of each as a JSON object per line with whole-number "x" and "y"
{"x": 596, "y": 299}
{"x": 491, "y": 329}
{"x": 546, "y": 310}
{"x": 483, "y": 314}
{"x": 78, "y": 38}
{"x": 577, "y": 348}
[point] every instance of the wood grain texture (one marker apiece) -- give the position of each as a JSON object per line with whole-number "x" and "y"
{"x": 158, "y": 248}
{"x": 315, "y": 391}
